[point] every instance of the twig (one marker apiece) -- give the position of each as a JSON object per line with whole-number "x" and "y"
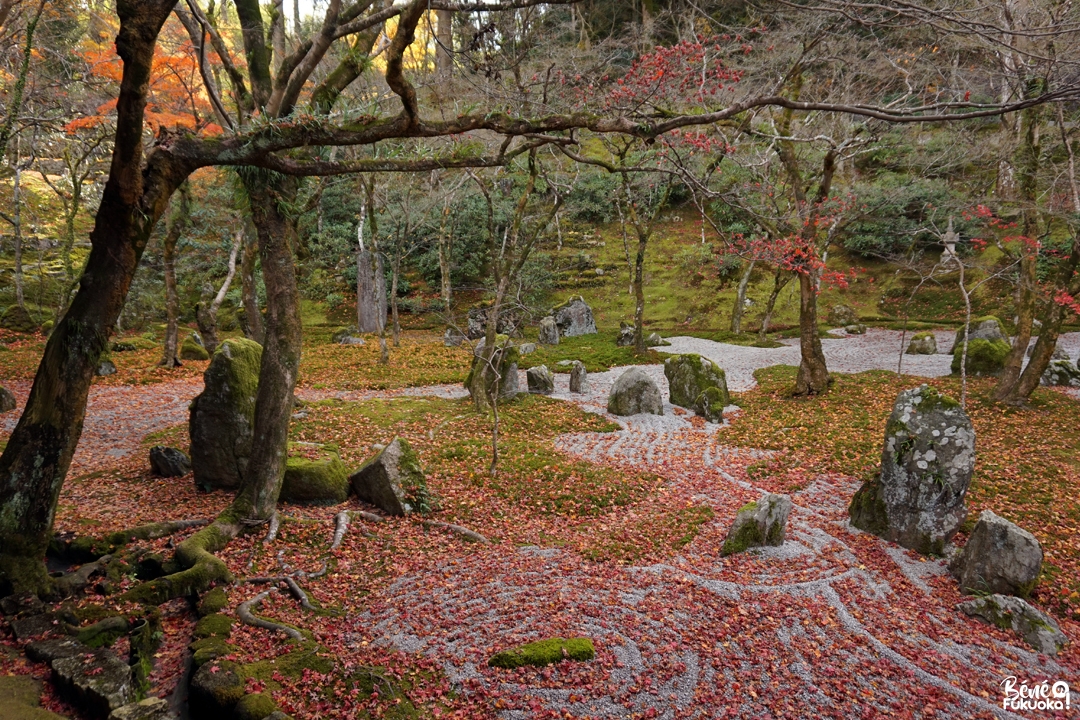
{"x": 458, "y": 529}
{"x": 248, "y": 618}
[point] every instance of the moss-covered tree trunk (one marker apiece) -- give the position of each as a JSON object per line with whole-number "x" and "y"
{"x": 813, "y": 377}
{"x": 253, "y": 324}
{"x": 39, "y": 451}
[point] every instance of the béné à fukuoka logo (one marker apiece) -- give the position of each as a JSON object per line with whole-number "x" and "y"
{"x": 1040, "y": 696}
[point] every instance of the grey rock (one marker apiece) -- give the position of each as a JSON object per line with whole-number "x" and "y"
{"x": 342, "y": 333}
{"x": 711, "y": 403}
{"x": 574, "y": 317}
{"x": 453, "y": 337}
{"x": 579, "y": 378}
{"x": 197, "y": 339}
{"x": 527, "y": 348}
{"x": 25, "y": 603}
{"x": 1061, "y": 373}
{"x": 509, "y": 323}
{"x": 626, "y": 335}
{"x": 540, "y": 380}
{"x": 759, "y": 524}
{"x": 352, "y": 340}
{"x": 45, "y": 651}
{"x": 654, "y": 340}
{"x": 97, "y": 680}
{"x": 549, "y": 331}
{"x": 106, "y": 368}
{"x": 566, "y": 363}
{"x": 7, "y": 400}
{"x": 635, "y": 392}
{"x": 926, "y": 466}
{"x": 987, "y": 328}
{"x": 922, "y": 344}
{"x": 393, "y": 480}
{"x": 1000, "y": 557}
{"x": 169, "y": 462}
{"x": 842, "y": 315}
{"x": 689, "y": 376}
{"x": 855, "y": 329}
{"x": 222, "y": 417}
{"x": 1038, "y": 629}
{"x": 33, "y": 626}
{"x": 152, "y": 708}
{"x": 1058, "y": 354}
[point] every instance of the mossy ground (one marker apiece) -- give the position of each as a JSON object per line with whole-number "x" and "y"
{"x": 544, "y": 652}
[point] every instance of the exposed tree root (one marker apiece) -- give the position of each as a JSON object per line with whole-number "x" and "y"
{"x": 342, "y": 519}
{"x": 89, "y": 548}
{"x": 73, "y": 582}
{"x": 247, "y": 617}
{"x": 459, "y": 530}
{"x": 271, "y": 534}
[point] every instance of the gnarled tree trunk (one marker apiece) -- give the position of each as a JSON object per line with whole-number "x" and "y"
{"x": 813, "y": 377}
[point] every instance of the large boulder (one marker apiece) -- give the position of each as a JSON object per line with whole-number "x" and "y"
{"x": 505, "y": 360}
{"x": 169, "y": 462}
{"x": 758, "y": 524}
{"x": 192, "y": 349}
{"x": 579, "y": 378}
{"x": 626, "y": 335}
{"x": 574, "y": 317}
{"x": 393, "y": 481}
{"x": 222, "y": 416}
{"x": 842, "y": 315}
{"x": 7, "y": 400}
{"x": 549, "y": 331}
{"x": 1038, "y": 629}
{"x": 635, "y": 392}
{"x": 689, "y": 378}
{"x": 540, "y": 380}
{"x": 926, "y": 465}
{"x": 314, "y": 475}
{"x": 18, "y": 319}
{"x": 984, "y": 328}
{"x": 984, "y": 357}
{"x": 922, "y": 344}
{"x": 1000, "y": 557}
{"x": 1061, "y": 373}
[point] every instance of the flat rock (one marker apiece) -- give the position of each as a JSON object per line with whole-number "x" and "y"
{"x": 1000, "y": 557}
{"x": 152, "y": 708}
{"x": 32, "y": 626}
{"x": 25, "y": 603}
{"x": 48, "y": 650}
{"x": 96, "y": 680}
{"x": 1038, "y": 629}
{"x": 169, "y": 462}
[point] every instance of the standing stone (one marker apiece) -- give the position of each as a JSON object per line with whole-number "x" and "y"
{"x": 574, "y": 317}
{"x": 393, "y": 481}
{"x": 759, "y": 524}
{"x": 169, "y": 462}
{"x": 1000, "y": 557}
{"x": 689, "y": 376}
{"x": 1038, "y": 629}
{"x": 222, "y": 416}
{"x": 984, "y": 328}
{"x": 922, "y": 344}
{"x": 579, "y": 379}
{"x": 635, "y": 392}
{"x": 549, "y": 331}
{"x": 842, "y": 315}
{"x": 105, "y": 368}
{"x": 370, "y": 292}
{"x": 526, "y": 348}
{"x": 926, "y": 466}
{"x": 626, "y": 335}
{"x": 540, "y": 380}
{"x": 505, "y": 361}
{"x": 7, "y": 400}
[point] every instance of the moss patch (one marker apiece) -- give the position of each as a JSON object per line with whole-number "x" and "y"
{"x": 984, "y": 357}
{"x": 544, "y": 652}
{"x": 314, "y": 475}
{"x": 191, "y": 350}
{"x": 255, "y": 706}
{"x": 214, "y": 625}
{"x": 213, "y": 601}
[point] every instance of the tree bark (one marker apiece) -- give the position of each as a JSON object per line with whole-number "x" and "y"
{"x": 177, "y": 222}
{"x": 813, "y": 377}
{"x": 444, "y": 48}
{"x": 19, "y": 299}
{"x": 740, "y": 299}
{"x": 253, "y": 324}
{"x": 39, "y": 451}
{"x": 780, "y": 281}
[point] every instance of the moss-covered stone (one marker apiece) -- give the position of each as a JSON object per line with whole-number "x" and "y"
{"x": 214, "y": 625}
{"x": 213, "y": 601}
{"x": 924, "y": 343}
{"x": 308, "y": 656}
{"x": 711, "y": 403}
{"x": 216, "y": 688}
{"x": 131, "y": 344}
{"x": 210, "y": 648}
{"x": 867, "y": 509}
{"x": 394, "y": 481}
{"x": 544, "y": 652}
{"x": 986, "y": 327}
{"x": 255, "y": 706}
{"x": 758, "y": 524}
{"x": 322, "y": 480}
{"x": 690, "y": 375}
{"x": 18, "y": 319}
{"x": 191, "y": 350}
{"x": 984, "y": 357}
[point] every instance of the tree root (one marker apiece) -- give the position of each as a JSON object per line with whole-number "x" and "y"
{"x": 342, "y": 519}
{"x": 248, "y": 618}
{"x": 75, "y": 581}
{"x": 464, "y": 532}
{"x": 271, "y": 534}
{"x": 89, "y": 548}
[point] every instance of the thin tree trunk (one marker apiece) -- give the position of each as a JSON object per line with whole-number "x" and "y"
{"x": 177, "y": 222}
{"x": 639, "y": 294}
{"x": 813, "y": 377}
{"x": 395, "y": 274}
{"x": 444, "y": 48}
{"x": 740, "y": 299}
{"x": 19, "y": 300}
{"x": 780, "y": 281}
{"x": 253, "y": 325}
{"x": 444, "y": 262}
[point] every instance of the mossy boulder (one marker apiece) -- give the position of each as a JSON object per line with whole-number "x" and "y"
{"x": 984, "y": 357}
{"x": 393, "y": 481}
{"x": 505, "y": 359}
{"x": 574, "y": 317}
{"x": 711, "y": 403}
{"x": 987, "y": 327}
{"x": 544, "y": 652}
{"x": 855, "y": 329}
{"x": 208, "y": 649}
{"x": 216, "y": 688}
{"x": 635, "y": 392}
{"x": 7, "y": 400}
{"x": 255, "y": 706}
{"x": 922, "y": 344}
{"x": 1061, "y": 373}
{"x": 999, "y": 557}
{"x": 47, "y": 327}
{"x": 1038, "y": 629}
{"x": 759, "y": 524}
{"x": 192, "y": 350}
{"x": 214, "y": 601}
{"x": 214, "y": 625}
{"x": 689, "y": 376}
{"x": 842, "y": 315}
{"x": 540, "y": 380}
{"x": 222, "y": 417}
{"x": 105, "y": 367}
{"x": 18, "y": 319}
{"x": 314, "y": 475}
{"x": 131, "y": 344}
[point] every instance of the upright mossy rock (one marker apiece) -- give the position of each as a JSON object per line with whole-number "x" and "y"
{"x": 697, "y": 383}
{"x": 635, "y": 392}
{"x": 984, "y": 357}
{"x": 505, "y": 360}
{"x": 922, "y": 344}
{"x": 987, "y": 327}
{"x": 540, "y": 380}
{"x": 1000, "y": 557}
{"x": 191, "y": 350}
{"x": 926, "y": 466}
{"x": 549, "y": 331}
{"x": 18, "y": 319}
{"x": 222, "y": 417}
{"x": 544, "y": 652}
{"x": 759, "y": 524}
{"x": 393, "y": 481}
{"x": 7, "y": 400}
{"x": 314, "y": 475}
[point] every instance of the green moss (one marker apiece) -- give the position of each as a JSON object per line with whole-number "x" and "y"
{"x": 208, "y": 649}
{"x": 544, "y": 652}
{"x": 131, "y": 344}
{"x": 213, "y": 602}
{"x": 933, "y": 400}
{"x": 689, "y": 375}
{"x": 324, "y": 481}
{"x": 255, "y": 706}
{"x": 19, "y": 690}
{"x": 291, "y": 665}
{"x": 214, "y": 625}
{"x": 867, "y": 509}
{"x": 748, "y": 534}
{"x": 191, "y": 350}
{"x": 984, "y": 357}
{"x": 413, "y": 481}
{"x": 18, "y": 319}
{"x": 922, "y": 336}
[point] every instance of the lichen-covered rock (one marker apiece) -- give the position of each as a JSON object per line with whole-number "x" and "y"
{"x": 654, "y": 340}
{"x": 984, "y": 328}
{"x": 526, "y": 348}
{"x": 1038, "y": 629}
{"x": 922, "y": 344}
{"x": 540, "y": 380}
{"x": 169, "y": 462}
{"x": 635, "y": 392}
{"x": 549, "y": 331}
{"x": 689, "y": 376}
{"x": 926, "y": 466}
{"x": 453, "y": 337}
{"x": 509, "y": 323}
{"x": 1061, "y": 373}
{"x": 96, "y": 680}
{"x": 574, "y": 317}
{"x": 1000, "y": 557}
{"x": 505, "y": 360}
{"x": 222, "y": 416}
{"x": 152, "y": 708}
{"x": 215, "y": 689}
{"x": 344, "y": 332}
{"x": 393, "y": 481}
{"x": 7, "y": 400}
{"x": 314, "y": 475}
{"x": 579, "y": 378}
{"x": 855, "y": 329}
{"x": 544, "y": 652}
{"x": 842, "y": 315}
{"x": 626, "y": 335}
{"x": 352, "y": 340}
{"x": 105, "y": 368}
{"x": 17, "y": 319}
{"x": 759, "y": 524}
{"x": 192, "y": 349}
{"x": 984, "y": 357}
